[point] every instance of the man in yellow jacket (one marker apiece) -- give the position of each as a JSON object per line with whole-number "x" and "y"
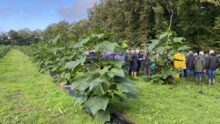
{"x": 180, "y": 63}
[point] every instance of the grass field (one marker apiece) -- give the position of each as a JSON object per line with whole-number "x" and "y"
{"x": 183, "y": 103}
{"x": 29, "y": 97}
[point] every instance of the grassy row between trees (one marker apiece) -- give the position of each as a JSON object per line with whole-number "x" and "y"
{"x": 31, "y": 97}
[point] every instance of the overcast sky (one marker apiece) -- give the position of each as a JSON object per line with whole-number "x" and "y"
{"x": 38, "y": 14}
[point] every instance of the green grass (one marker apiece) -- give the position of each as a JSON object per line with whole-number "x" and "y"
{"x": 183, "y": 103}
{"x": 29, "y": 97}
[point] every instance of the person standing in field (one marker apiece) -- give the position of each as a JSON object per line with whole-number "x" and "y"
{"x": 190, "y": 66}
{"x": 146, "y": 64}
{"x": 140, "y": 61}
{"x": 212, "y": 64}
{"x": 180, "y": 63}
{"x": 134, "y": 65}
{"x": 130, "y": 53}
{"x": 199, "y": 64}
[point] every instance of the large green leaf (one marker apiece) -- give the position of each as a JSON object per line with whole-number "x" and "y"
{"x": 99, "y": 90}
{"x": 72, "y": 65}
{"x": 160, "y": 49}
{"x": 178, "y": 39}
{"x": 83, "y": 86}
{"x": 103, "y": 116}
{"x": 97, "y": 103}
{"x": 118, "y": 72}
{"x": 183, "y": 48}
{"x": 165, "y": 34}
{"x": 81, "y": 43}
{"x": 122, "y": 88}
{"x": 106, "y": 46}
{"x": 82, "y": 59}
{"x": 152, "y": 45}
{"x": 95, "y": 83}
{"x": 101, "y": 86}
{"x": 125, "y": 85}
{"x": 115, "y": 63}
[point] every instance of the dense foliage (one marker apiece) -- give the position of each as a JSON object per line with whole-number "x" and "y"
{"x": 162, "y": 51}
{"x": 4, "y": 50}
{"x": 97, "y": 81}
{"x": 140, "y": 21}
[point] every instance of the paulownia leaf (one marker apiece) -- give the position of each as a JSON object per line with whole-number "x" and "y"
{"x": 122, "y": 88}
{"x": 160, "y": 49}
{"x": 163, "y": 35}
{"x": 178, "y": 39}
{"x": 103, "y": 116}
{"x": 83, "y": 86}
{"x": 115, "y": 63}
{"x": 152, "y": 45}
{"x": 125, "y": 85}
{"x": 97, "y": 103}
{"x": 118, "y": 72}
{"x": 183, "y": 48}
{"x": 100, "y": 89}
{"x": 72, "y": 65}
{"x": 94, "y": 83}
{"x": 99, "y": 86}
{"x": 81, "y": 43}
{"x": 106, "y": 46}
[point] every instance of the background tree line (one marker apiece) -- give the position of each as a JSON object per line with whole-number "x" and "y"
{"x": 137, "y": 21}
{"x": 21, "y": 37}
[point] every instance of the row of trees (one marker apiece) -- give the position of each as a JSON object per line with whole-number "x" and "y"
{"x": 69, "y": 32}
{"x": 21, "y": 37}
{"x": 139, "y": 21}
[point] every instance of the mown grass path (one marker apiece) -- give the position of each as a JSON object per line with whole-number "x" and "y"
{"x": 181, "y": 103}
{"x": 29, "y": 97}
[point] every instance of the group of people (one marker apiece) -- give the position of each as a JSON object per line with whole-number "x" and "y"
{"x": 135, "y": 60}
{"x": 192, "y": 65}
{"x": 197, "y": 65}
{"x": 138, "y": 61}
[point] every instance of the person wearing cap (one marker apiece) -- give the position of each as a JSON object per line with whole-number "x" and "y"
{"x": 212, "y": 64}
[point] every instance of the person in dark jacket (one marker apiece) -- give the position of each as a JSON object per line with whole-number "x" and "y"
{"x": 212, "y": 65}
{"x": 140, "y": 61}
{"x": 190, "y": 66}
{"x": 199, "y": 66}
{"x": 146, "y": 64}
{"x": 134, "y": 65}
{"x": 130, "y": 53}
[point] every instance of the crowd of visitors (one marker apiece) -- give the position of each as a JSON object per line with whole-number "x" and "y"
{"x": 193, "y": 66}
{"x": 197, "y": 66}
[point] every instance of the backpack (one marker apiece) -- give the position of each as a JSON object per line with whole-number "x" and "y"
{"x": 199, "y": 64}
